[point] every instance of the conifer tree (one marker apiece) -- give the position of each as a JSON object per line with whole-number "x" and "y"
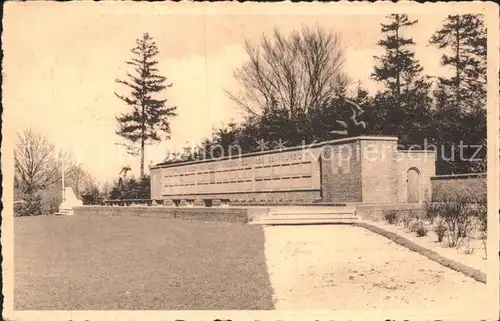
{"x": 460, "y": 115}
{"x": 150, "y": 115}
{"x": 405, "y": 103}
{"x": 463, "y": 37}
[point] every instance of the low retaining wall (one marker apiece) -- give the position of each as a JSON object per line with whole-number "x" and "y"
{"x": 231, "y": 214}
{"x": 375, "y": 212}
{"x": 450, "y": 184}
{"x": 237, "y": 213}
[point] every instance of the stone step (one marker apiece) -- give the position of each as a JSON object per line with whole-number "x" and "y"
{"x": 305, "y": 219}
{"x": 307, "y": 213}
{"x": 311, "y": 210}
{"x": 307, "y": 216}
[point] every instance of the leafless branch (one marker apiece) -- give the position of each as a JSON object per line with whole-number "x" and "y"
{"x": 298, "y": 72}
{"x": 37, "y": 163}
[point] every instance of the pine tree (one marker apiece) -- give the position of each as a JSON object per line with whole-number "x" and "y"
{"x": 460, "y": 115}
{"x": 397, "y": 59}
{"x": 404, "y": 104}
{"x": 464, "y": 39}
{"x": 150, "y": 114}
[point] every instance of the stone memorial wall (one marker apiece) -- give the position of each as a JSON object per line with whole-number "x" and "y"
{"x": 293, "y": 170}
{"x": 368, "y": 169}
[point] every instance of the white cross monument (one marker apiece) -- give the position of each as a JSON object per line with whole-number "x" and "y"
{"x": 69, "y": 199}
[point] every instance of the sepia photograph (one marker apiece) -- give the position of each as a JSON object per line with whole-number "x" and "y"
{"x": 250, "y": 157}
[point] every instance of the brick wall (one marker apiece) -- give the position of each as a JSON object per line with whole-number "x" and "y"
{"x": 449, "y": 184}
{"x": 378, "y": 170}
{"x": 341, "y": 173}
{"x": 232, "y": 214}
{"x": 375, "y": 212}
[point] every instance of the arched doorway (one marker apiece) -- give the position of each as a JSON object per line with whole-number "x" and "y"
{"x": 413, "y": 185}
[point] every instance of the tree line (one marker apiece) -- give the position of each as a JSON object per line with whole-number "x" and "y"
{"x": 292, "y": 89}
{"x": 38, "y": 171}
{"x": 39, "y": 165}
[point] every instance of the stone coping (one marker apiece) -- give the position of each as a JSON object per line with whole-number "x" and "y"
{"x": 231, "y": 215}
{"x": 458, "y": 176}
{"x": 287, "y": 149}
{"x": 455, "y": 265}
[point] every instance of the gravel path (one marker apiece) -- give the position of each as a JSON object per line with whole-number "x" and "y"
{"x": 347, "y": 267}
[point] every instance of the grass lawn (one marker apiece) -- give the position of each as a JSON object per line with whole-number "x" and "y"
{"x": 126, "y": 263}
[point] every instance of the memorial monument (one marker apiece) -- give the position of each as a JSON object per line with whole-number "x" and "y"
{"x": 352, "y": 170}
{"x": 69, "y": 199}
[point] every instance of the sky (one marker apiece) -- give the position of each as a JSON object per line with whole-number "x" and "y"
{"x": 61, "y": 61}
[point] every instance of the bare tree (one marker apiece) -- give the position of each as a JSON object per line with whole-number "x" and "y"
{"x": 294, "y": 73}
{"x": 105, "y": 188}
{"x": 79, "y": 179}
{"x": 37, "y": 162}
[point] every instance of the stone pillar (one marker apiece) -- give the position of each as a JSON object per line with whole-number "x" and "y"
{"x": 379, "y": 169}
{"x": 341, "y": 171}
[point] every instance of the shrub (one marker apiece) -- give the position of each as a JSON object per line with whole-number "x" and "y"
{"x": 421, "y": 230}
{"x": 131, "y": 188}
{"x": 91, "y": 196}
{"x": 440, "y": 230}
{"x": 411, "y": 216}
{"x": 414, "y": 226}
{"x": 406, "y": 221}
{"x": 51, "y": 203}
{"x": 51, "y": 199}
{"x": 431, "y": 211}
{"x": 31, "y": 205}
{"x": 18, "y": 208}
{"x": 391, "y": 216}
{"x": 455, "y": 211}
{"x": 480, "y": 211}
